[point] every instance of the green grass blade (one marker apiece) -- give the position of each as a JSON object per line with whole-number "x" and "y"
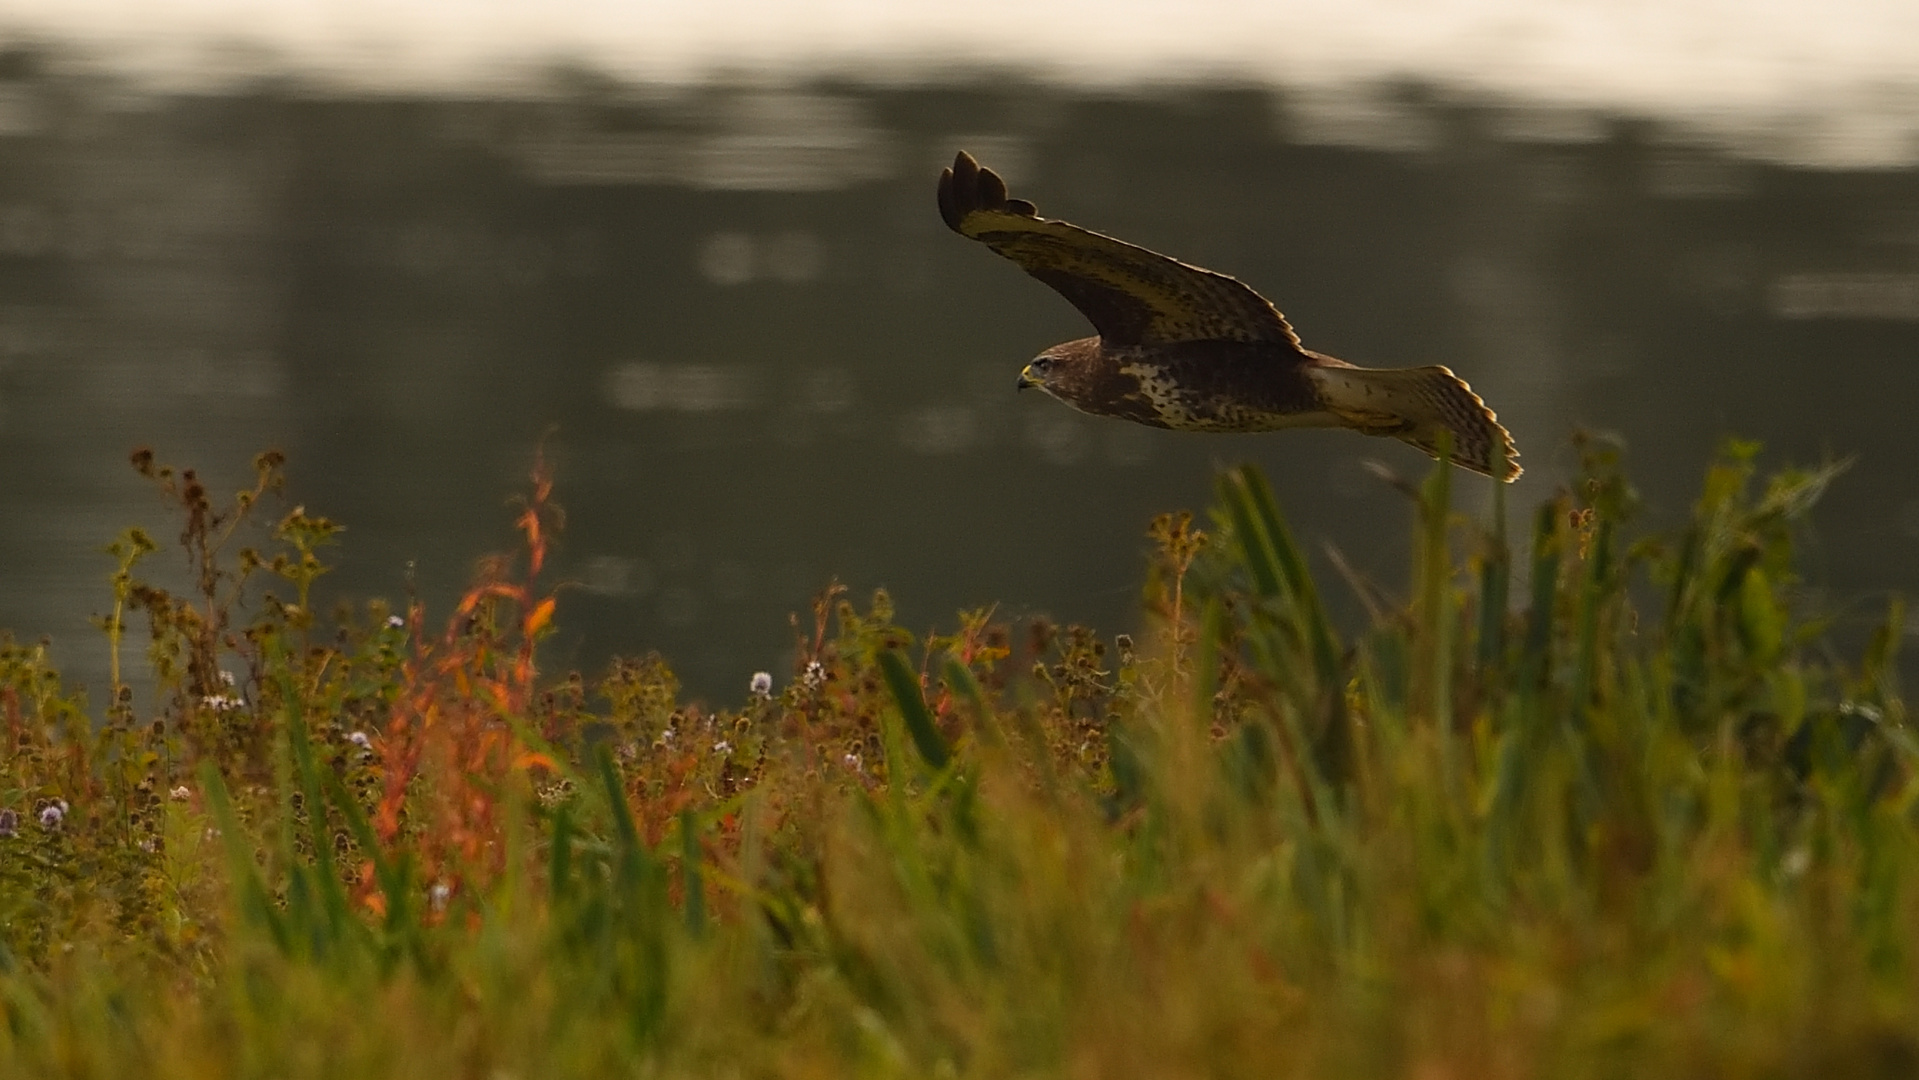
{"x": 256, "y": 905}
{"x": 629, "y": 848}
{"x": 1535, "y": 661}
{"x": 1495, "y": 578}
{"x": 332, "y": 898}
{"x": 1593, "y": 595}
{"x": 1279, "y": 569}
{"x": 1434, "y": 569}
{"x": 1255, "y": 546}
{"x": 905, "y": 684}
{"x": 692, "y": 883}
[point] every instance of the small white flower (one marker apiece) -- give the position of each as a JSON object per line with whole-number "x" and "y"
{"x": 1795, "y": 863}
{"x": 438, "y": 895}
{"x": 762, "y": 684}
{"x": 853, "y": 761}
{"x": 722, "y": 747}
{"x": 814, "y": 675}
{"x": 361, "y": 740}
{"x": 226, "y": 677}
{"x": 180, "y": 794}
{"x": 667, "y": 736}
{"x": 9, "y": 824}
{"x": 146, "y": 844}
{"x": 394, "y": 622}
{"x": 52, "y": 816}
{"x": 223, "y": 703}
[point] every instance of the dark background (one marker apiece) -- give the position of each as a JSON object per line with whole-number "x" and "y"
{"x": 765, "y": 363}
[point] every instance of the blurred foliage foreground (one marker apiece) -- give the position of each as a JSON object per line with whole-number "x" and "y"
{"x": 1606, "y": 806}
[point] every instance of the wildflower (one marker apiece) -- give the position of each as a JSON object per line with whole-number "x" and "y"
{"x": 722, "y": 747}
{"x": 226, "y": 678}
{"x": 361, "y": 740}
{"x": 180, "y": 794}
{"x": 9, "y": 824}
{"x": 223, "y": 703}
{"x": 762, "y": 684}
{"x": 53, "y": 815}
{"x": 814, "y": 675}
{"x": 853, "y": 761}
{"x": 394, "y": 622}
{"x": 438, "y": 895}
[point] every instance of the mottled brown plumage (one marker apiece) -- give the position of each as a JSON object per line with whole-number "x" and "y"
{"x": 1184, "y": 348}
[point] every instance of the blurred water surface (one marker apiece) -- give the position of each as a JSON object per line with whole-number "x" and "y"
{"x": 764, "y": 362}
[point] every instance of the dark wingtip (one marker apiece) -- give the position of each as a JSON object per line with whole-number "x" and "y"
{"x": 959, "y": 190}
{"x": 992, "y": 190}
{"x": 970, "y": 186}
{"x": 965, "y": 173}
{"x": 949, "y": 206}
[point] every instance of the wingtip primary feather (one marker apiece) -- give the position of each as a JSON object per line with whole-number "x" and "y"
{"x": 968, "y": 187}
{"x": 965, "y": 175}
{"x": 949, "y": 205}
{"x": 992, "y": 190}
{"x": 959, "y": 190}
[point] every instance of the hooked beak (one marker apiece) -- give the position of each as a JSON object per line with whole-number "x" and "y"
{"x": 1026, "y": 378}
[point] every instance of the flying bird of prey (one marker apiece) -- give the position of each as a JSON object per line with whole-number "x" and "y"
{"x": 1188, "y": 349}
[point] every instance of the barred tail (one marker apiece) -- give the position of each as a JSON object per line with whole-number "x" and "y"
{"x": 1415, "y": 405}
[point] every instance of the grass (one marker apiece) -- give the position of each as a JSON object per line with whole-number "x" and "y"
{"x": 1646, "y": 821}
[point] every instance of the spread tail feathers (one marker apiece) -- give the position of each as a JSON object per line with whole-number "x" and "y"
{"x": 1415, "y": 405}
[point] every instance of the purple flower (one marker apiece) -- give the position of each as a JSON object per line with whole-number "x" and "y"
{"x": 9, "y": 824}
{"x": 53, "y": 815}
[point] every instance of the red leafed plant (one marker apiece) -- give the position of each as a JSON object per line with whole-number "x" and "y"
{"x": 463, "y": 697}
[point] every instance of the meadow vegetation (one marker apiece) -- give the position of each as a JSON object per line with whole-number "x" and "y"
{"x": 1586, "y": 802}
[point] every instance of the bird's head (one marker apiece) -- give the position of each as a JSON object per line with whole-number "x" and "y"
{"x": 1055, "y": 369}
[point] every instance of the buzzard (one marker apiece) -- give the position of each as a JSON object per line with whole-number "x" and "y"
{"x": 1191, "y": 350}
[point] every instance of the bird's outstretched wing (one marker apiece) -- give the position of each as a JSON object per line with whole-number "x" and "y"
{"x": 1132, "y": 296}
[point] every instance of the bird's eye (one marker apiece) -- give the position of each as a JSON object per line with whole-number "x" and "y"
{"x": 1042, "y": 363}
